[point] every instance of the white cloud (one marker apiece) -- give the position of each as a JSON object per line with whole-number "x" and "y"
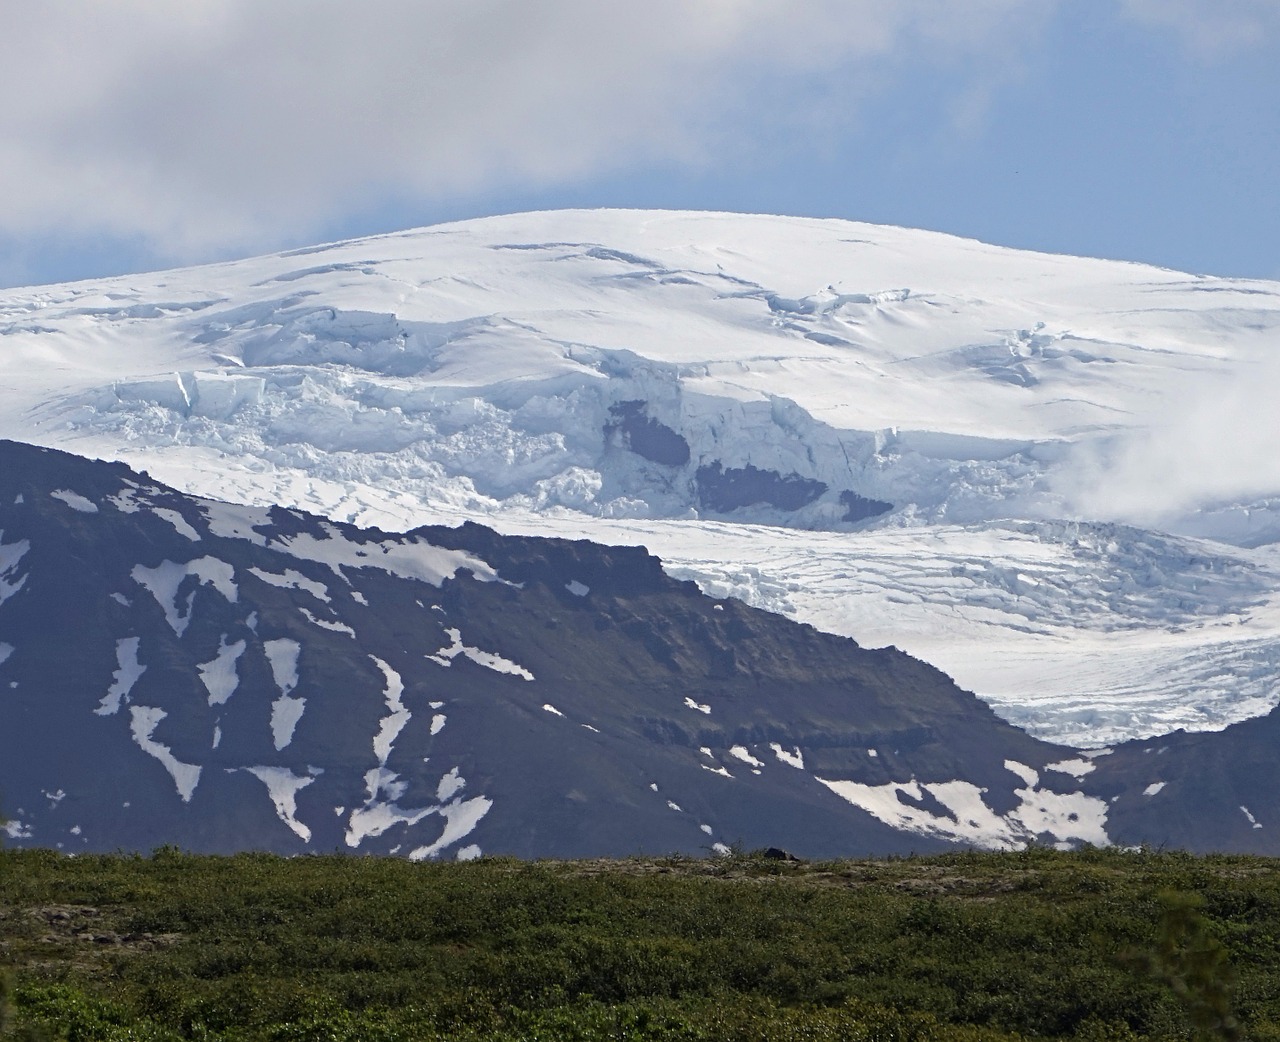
{"x": 1212, "y": 29}
{"x": 1215, "y": 446}
{"x": 215, "y": 124}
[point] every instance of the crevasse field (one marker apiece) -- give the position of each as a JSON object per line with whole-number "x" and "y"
{"x": 1057, "y": 479}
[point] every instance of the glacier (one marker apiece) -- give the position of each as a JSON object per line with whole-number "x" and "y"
{"x": 1055, "y": 478}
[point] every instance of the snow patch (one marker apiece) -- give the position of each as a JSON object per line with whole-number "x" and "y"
{"x": 397, "y": 716}
{"x": 327, "y": 624}
{"x": 292, "y": 579}
{"x": 488, "y": 659}
{"x": 219, "y": 676}
{"x": 741, "y": 752}
{"x": 1028, "y": 775}
{"x": 164, "y": 581}
{"x": 375, "y": 818}
{"x": 1254, "y": 822}
{"x": 552, "y": 709}
{"x": 285, "y": 714}
{"x": 407, "y": 556}
{"x": 1069, "y": 818}
{"x": 145, "y": 720}
{"x": 282, "y": 655}
{"x": 1153, "y": 788}
{"x": 691, "y": 704}
{"x": 795, "y": 759}
{"x": 461, "y": 818}
{"x": 450, "y": 785}
{"x": 127, "y": 672}
{"x": 74, "y": 500}
{"x": 1077, "y": 768}
{"x": 179, "y": 523}
{"x": 578, "y": 589}
{"x": 284, "y": 786}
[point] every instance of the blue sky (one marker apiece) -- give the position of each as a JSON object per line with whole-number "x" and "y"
{"x": 143, "y": 134}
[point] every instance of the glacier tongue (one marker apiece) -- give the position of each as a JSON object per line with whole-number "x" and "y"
{"x": 875, "y": 430}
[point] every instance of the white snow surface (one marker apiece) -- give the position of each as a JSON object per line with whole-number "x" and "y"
{"x": 1080, "y": 454}
{"x": 794, "y": 757}
{"x": 219, "y": 675}
{"x": 1068, "y": 818}
{"x": 327, "y": 624}
{"x": 291, "y": 579}
{"x": 397, "y": 716}
{"x": 143, "y": 722}
{"x": 75, "y": 501}
{"x": 284, "y": 786}
{"x": 128, "y": 670}
{"x": 165, "y": 579}
{"x": 488, "y": 659}
{"x": 282, "y": 656}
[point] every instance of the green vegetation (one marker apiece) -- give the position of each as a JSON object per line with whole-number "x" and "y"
{"x": 1105, "y": 946}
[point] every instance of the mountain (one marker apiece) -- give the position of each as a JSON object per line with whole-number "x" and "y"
{"x": 176, "y": 670}
{"x": 1054, "y": 478}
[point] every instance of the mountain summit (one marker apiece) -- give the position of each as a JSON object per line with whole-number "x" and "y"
{"x": 1052, "y": 477}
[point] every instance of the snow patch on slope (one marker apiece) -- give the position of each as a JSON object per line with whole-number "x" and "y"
{"x": 292, "y": 579}
{"x": 282, "y": 655}
{"x": 128, "y": 670}
{"x": 75, "y": 501}
{"x": 284, "y": 786}
{"x": 963, "y": 815}
{"x": 488, "y": 659}
{"x": 219, "y": 675}
{"x": 143, "y": 723}
{"x": 165, "y": 579}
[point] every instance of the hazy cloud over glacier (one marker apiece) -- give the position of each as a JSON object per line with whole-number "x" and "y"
{"x": 170, "y": 132}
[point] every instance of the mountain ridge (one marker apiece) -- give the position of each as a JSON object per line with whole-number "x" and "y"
{"x": 180, "y": 671}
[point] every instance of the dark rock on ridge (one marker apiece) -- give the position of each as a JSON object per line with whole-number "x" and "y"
{"x": 220, "y": 677}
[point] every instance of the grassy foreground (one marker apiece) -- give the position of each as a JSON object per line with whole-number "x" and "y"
{"x": 974, "y": 947}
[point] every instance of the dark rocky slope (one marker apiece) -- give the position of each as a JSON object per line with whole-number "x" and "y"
{"x": 181, "y": 671}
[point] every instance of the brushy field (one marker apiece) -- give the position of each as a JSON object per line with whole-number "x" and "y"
{"x": 1040, "y": 944}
